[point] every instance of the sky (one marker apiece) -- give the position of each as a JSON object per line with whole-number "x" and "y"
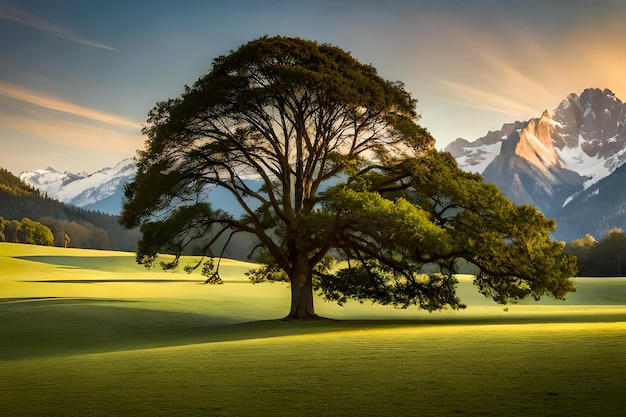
{"x": 78, "y": 77}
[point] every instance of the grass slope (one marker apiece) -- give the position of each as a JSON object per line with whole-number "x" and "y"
{"x": 92, "y": 333}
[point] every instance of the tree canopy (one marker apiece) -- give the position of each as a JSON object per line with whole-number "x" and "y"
{"x": 349, "y": 197}
{"x": 25, "y": 231}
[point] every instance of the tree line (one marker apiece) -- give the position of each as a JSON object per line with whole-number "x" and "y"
{"x": 26, "y": 231}
{"x": 603, "y": 258}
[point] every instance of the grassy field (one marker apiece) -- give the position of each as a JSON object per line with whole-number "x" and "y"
{"x": 91, "y": 333}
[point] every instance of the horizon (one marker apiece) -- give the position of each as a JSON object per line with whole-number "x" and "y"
{"x": 77, "y": 80}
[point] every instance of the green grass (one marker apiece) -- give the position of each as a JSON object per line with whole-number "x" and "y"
{"x": 91, "y": 333}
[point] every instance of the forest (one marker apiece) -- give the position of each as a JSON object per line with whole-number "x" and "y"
{"x": 603, "y": 258}
{"x": 70, "y": 226}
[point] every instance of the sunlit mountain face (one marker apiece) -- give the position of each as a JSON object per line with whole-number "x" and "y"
{"x": 553, "y": 160}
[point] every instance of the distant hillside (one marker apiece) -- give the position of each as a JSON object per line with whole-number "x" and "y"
{"x": 11, "y": 184}
{"x": 103, "y": 190}
{"x": 89, "y": 229}
{"x": 86, "y": 229}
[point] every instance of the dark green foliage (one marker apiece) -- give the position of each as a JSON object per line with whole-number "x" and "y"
{"x": 211, "y": 272}
{"x": 604, "y": 258}
{"x": 184, "y": 226}
{"x": 374, "y": 280}
{"x": 268, "y": 271}
{"x": 10, "y": 230}
{"x": 407, "y": 226}
{"x": 346, "y": 173}
{"x": 11, "y": 184}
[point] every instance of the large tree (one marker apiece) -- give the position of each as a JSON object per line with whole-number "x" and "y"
{"x": 327, "y": 162}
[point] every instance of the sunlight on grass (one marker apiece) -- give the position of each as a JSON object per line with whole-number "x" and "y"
{"x": 129, "y": 341}
{"x": 548, "y": 369}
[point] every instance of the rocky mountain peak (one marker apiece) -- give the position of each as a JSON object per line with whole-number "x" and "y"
{"x": 590, "y": 132}
{"x": 586, "y": 133}
{"x": 561, "y": 162}
{"x": 535, "y": 143}
{"x": 475, "y": 156}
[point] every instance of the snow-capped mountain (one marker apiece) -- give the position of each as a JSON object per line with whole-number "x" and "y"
{"x": 550, "y": 161}
{"x": 587, "y": 132}
{"x": 529, "y": 170}
{"x": 103, "y": 190}
{"x": 595, "y": 210}
{"x": 100, "y": 191}
{"x": 475, "y": 156}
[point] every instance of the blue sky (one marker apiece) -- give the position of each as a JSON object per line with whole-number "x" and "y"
{"x": 77, "y": 77}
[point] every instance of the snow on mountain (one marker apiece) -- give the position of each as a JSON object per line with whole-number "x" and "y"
{"x": 529, "y": 171}
{"x": 590, "y": 133}
{"x": 561, "y": 162}
{"x": 477, "y": 155}
{"x": 103, "y": 190}
{"x": 82, "y": 189}
{"x": 585, "y": 134}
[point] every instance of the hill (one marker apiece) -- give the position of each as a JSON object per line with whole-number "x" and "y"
{"x": 92, "y": 333}
{"x": 90, "y": 229}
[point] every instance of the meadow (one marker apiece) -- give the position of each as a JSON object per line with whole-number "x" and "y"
{"x": 86, "y": 333}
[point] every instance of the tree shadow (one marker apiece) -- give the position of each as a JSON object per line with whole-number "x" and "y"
{"x": 61, "y": 327}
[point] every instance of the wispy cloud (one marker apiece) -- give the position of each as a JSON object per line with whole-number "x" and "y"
{"x": 482, "y": 99}
{"x": 71, "y": 133}
{"x": 495, "y": 80}
{"x": 506, "y": 76}
{"x": 61, "y": 122}
{"x": 19, "y": 16}
{"x": 25, "y": 95}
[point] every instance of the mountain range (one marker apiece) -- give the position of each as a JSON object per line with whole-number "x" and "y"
{"x": 567, "y": 162}
{"x": 70, "y": 225}
{"x": 99, "y": 191}
{"x": 88, "y": 228}
{"x": 103, "y": 190}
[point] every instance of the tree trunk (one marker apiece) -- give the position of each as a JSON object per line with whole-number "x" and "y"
{"x": 302, "y": 294}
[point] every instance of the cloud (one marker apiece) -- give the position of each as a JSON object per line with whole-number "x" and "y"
{"x": 68, "y": 124}
{"x": 511, "y": 78}
{"x": 496, "y": 84}
{"x": 25, "y": 95}
{"x": 71, "y": 133}
{"x": 19, "y": 16}
{"x": 482, "y": 99}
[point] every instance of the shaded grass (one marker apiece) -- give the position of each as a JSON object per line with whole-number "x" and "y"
{"x": 127, "y": 264}
{"x": 68, "y": 326}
